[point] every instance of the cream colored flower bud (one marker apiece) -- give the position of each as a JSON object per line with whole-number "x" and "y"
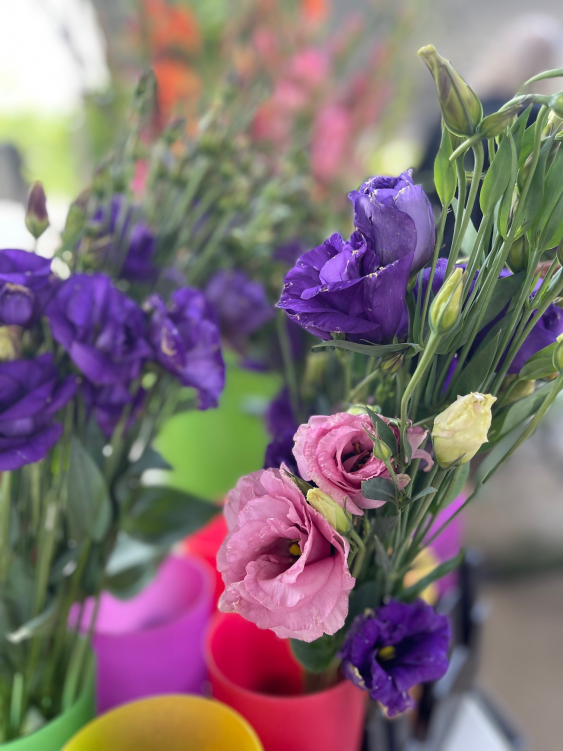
{"x": 446, "y": 306}
{"x": 461, "y": 429}
{"x": 558, "y": 354}
{"x": 332, "y": 512}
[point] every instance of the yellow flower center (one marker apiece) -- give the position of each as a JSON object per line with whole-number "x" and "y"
{"x": 386, "y": 653}
{"x": 294, "y": 549}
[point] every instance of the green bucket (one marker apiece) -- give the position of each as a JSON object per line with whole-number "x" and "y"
{"x": 54, "y": 735}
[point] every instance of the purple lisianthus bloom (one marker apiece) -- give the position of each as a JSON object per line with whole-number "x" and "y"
{"x": 282, "y": 426}
{"x": 240, "y": 304}
{"x": 103, "y": 330}
{"x": 26, "y": 286}
{"x": 396, "y": 219}
{"x": 186, "y": 340}
{"x": 31, "y": 392}
{"x": 130, "y": 243}
{"x": 389, "y": 651}
{"x": 339, "y": 287}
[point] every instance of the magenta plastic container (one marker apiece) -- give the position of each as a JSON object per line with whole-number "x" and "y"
{"x": 153, "y": 643}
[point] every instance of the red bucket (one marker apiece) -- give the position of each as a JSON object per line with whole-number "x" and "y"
{"x": 255, "y": 673}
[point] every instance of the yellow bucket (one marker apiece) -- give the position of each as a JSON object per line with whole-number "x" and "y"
{"x": 168, "y": 723}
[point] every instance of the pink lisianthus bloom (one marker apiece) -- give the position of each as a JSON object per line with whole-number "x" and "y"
{"x": 284, "y": 566}
{"x": 335, "y": 452}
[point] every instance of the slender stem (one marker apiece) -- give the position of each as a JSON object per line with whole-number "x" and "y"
{"x": 439, "y": 239}
{"x": 423, "y": 363}
{"x": 475, "y": 183}
{"x": 5, "y": 513}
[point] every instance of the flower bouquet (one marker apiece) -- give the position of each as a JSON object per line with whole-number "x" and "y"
{"x": 99, "y": 348}
{"x": 428, "y": 356}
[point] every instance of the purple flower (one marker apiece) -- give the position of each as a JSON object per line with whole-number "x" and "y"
{"x": 395, "y": 217}
{"x": 282, "y": 426}
{"x": 31, "y": 392}
{"x": 26, "y": 285}
{"x": 241, "y": 305}
{"x": 339, "y": 288}
{"x": 130, "y": 243}
{"x": 390, "y": 651}
{"x": 186, "y": 341}
{"x": 103, "y": 330}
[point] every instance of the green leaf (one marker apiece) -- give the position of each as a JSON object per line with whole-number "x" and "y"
{"x": 317, "y": 655}
{"x": 504, "y": 293}
{"x": 88, "y": 506}
{"x": 372, "y": 350}
{"x": 519, "y": 128}
{"x": 505, "y": 205}
{"x": 553, "y": 231}
{"x": 539, "y": 365}
{"x": 553, "y": 190}
{"x": 363, "y": 597}
{"x": 381, "y": 557}
{"x": 379, "y": 489}
{"x": 534, "y": 198}
{"x": 476, "y": 370}
{"x": 41, "y": 625}
{"x": 410, "y": 593}
{"x": 455, "y": 487}
{"x": 510, "y": 417}
{"x": 527, "y": 144}
{"x": 497, "y": 178}
{"x": 162, "y": 516}
{"x": 444, "y": 171}
{"x": 384, "y": 525}
{"x": 383, "y": 431}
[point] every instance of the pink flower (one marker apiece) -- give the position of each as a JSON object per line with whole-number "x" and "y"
{"x": 284, "y": 567}
{"x": 335, "y": 452}
{"x": 332, "y": 131}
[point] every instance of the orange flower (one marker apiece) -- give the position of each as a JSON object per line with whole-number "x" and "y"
{"x": 177, "y": 83}
{"x": 315, "y": 10}
{"x": 171, "y": 26}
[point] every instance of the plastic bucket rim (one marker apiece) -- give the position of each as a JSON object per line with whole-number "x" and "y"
{"x": 205, "y": 594}
{"x": 216, "y": 671}
{"x": 160, "y": 697}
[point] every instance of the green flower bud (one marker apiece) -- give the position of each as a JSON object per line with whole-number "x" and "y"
{"x": 332, "y": 512}
{"x": 10, "y": 343}
{"x": 36, "y": 217}
{"x": 519, "y": 391}
{"x": 461, "y": 108}
{"x": 356, "y": 409}
{"x": 461, "y": 429}
{"x": 446, "y": 306}
{"x": 555, "y": 103}
{"x": 392, "y": 363}
{"x": 497, "y": 123}
{"x": 381, "y": 450}
{"x": 518, "y": 256}
{"x": 558, "y": 354}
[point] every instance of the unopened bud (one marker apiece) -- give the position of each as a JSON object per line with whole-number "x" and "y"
{"x": 392, "y": 363}
{"x": 381, "y": 450}
{"x": 10, "y": 343}
{"x": 461, "y": 108}
{"x": 461, "y": 429}
{"x": 332, "y": 512}
{"x": 497, "y": 123}
{"x": 36, "y": 217}
{"x": 558, "y": 354}
{"x": 518, "y": 391}
{"x": 446, "y": 307}
{"x": 556, "y": 104}
{"x": 518, "y": 256}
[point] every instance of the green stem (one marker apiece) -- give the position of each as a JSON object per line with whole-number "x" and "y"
{"x": 439, "y": 239}
{"x": 5, "y": 512}
{"x": 423, "y": 363}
